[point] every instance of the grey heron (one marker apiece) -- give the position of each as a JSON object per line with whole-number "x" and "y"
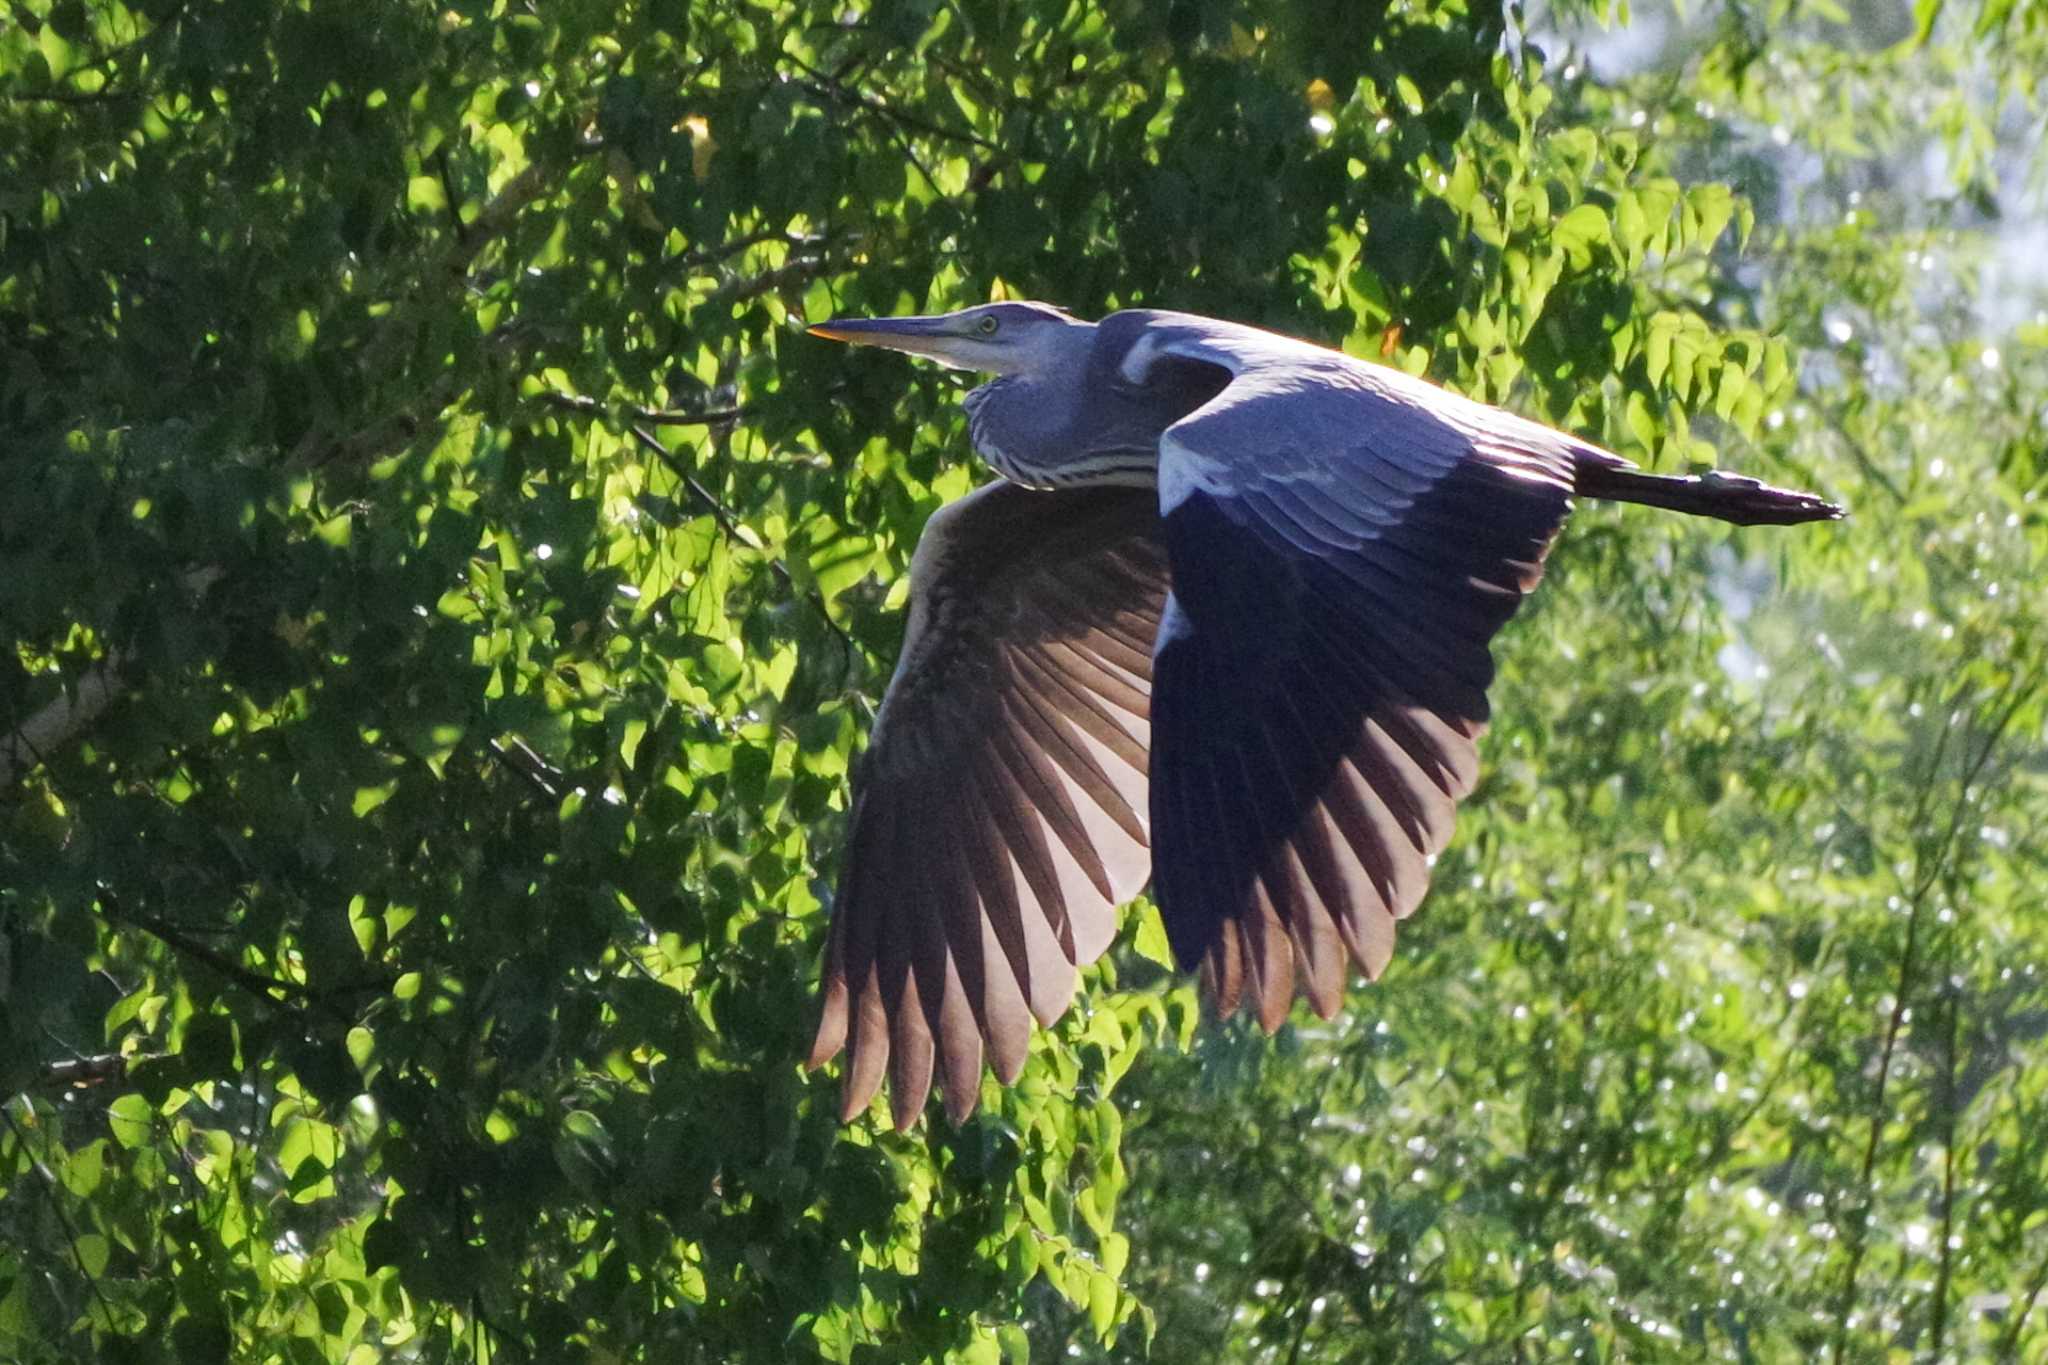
{"x": 1223, "y": 623}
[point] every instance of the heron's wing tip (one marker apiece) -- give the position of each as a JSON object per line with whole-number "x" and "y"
{"x": 830, "y": 1039}
{"x": 962, "y": 1099}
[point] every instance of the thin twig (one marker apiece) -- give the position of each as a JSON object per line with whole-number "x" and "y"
{"x": 822, "y": 85}
{"x": 63, "y": 1219}
{"x": 1864, "y": 461}
{"x": 454, "y": 200}
{"x": 2020, "y": 696}
{"x": 1945, "y": 1275}
{"x": 69, "y": 96}
{"x": 1300, "y": 1331}
{"x": 753, "y": 286}
{"x": 654, "y": 417}
{"x": 264, "y": 987}
{"x": 725, "y": 251}
{"x": 492, "y": 221}
{"x": 910, "y": 154}
{"x": 988, "y": 92}
{"x": 103, "y": 61}
{"x": 398, "y": 429}
{"x": 1858, "y": 1228}
{"x": 734, "y": 532}
{"x": 2011, "y": 1339}
{"x": 719, "y": 512}
{"x": 1927, "y": 874}
{"x": 521, "y": 759}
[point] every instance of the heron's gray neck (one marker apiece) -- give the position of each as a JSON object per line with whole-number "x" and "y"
{"x": 1067, "y": 432}
{"x": 1033, "y": 431}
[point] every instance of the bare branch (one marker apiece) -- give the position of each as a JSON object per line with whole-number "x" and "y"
{"x": 84, "y": 1071}
{"x": 70, "y": 96}
{"x": 71, "y": 715}
{"x": 519, "y": 756}
{"x": 264, "y": 987}
{"x": 53, "y": 726}
{"x": 753, "y": 286}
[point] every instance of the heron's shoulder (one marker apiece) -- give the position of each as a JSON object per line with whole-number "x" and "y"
{"x": 954, "y": 523}
{"x": 977, "y": 537}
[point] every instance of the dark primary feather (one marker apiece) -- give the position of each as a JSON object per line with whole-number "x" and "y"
{"x": 1316, "y": 699}
{"x": 1345, "y": 541}
{"x": 1000, "y": 815}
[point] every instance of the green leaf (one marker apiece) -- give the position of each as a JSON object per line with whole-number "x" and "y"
{"x": 83, "y": 1169}
{"x": 1102, "y": 1301}
{"x": 131, "y": 1120}
{"x": 1710, "y": 206}
{"x": 1925, "y": 13}
{"x": 432, "y": 796}
{"x": 93, "y": 1252}
{"x": 368, "y": 799}
{"x": 1579, "y": 232}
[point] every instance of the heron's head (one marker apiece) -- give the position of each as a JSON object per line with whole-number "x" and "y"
{"x": 995, "y": 338}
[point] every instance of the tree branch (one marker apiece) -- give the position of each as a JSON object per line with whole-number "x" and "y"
{"x": 265, "y": 987}
{"x": 493, "y": 221}
{"x": 734, "y": 532}
{"x": 654, "y": 417}
{"x": 2011, "y": 1339}
{"x": 725, "y": 251}
{"x": 825, "y": 87}
{"x": 84, "y": 1071}
{"x": 69, "y": 96}
{"x": 521, "y": 759}
{"x": 1926, "y": 875}
{"x": 753, "y": 286}
{"x": 57, "y": 723}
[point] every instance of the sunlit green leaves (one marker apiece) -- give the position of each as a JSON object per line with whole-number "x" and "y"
{"x": 474, "y": 590}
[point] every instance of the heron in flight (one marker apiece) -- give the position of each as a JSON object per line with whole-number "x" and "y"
{"x": 1222, "y": 624}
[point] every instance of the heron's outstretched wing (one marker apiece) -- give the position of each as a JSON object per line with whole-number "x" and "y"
{"x": 999, "y": 817}
{"x": 1344, "y": 543}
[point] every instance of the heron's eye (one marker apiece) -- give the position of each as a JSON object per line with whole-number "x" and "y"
{"x": 987, "y": 326}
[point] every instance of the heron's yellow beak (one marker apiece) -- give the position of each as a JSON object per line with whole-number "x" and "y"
{"x": 939, "y": 338}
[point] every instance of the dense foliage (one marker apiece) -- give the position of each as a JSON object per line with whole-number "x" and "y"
{"x": 443, "y": 593}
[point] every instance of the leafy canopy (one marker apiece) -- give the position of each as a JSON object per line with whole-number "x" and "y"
{"x": 444, "y": 594}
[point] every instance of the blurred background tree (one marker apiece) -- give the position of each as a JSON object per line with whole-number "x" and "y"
{"x": 444, "y": 592}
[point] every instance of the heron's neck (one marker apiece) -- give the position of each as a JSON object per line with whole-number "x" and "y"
{"x": 1048, "y": 434}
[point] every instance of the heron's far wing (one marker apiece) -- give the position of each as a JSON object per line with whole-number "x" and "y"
{"x": 1344, "y": 543}
{"x": 999, "y": 816}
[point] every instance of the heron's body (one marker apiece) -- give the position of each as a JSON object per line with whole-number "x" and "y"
{"x": 1239, "y": 645}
